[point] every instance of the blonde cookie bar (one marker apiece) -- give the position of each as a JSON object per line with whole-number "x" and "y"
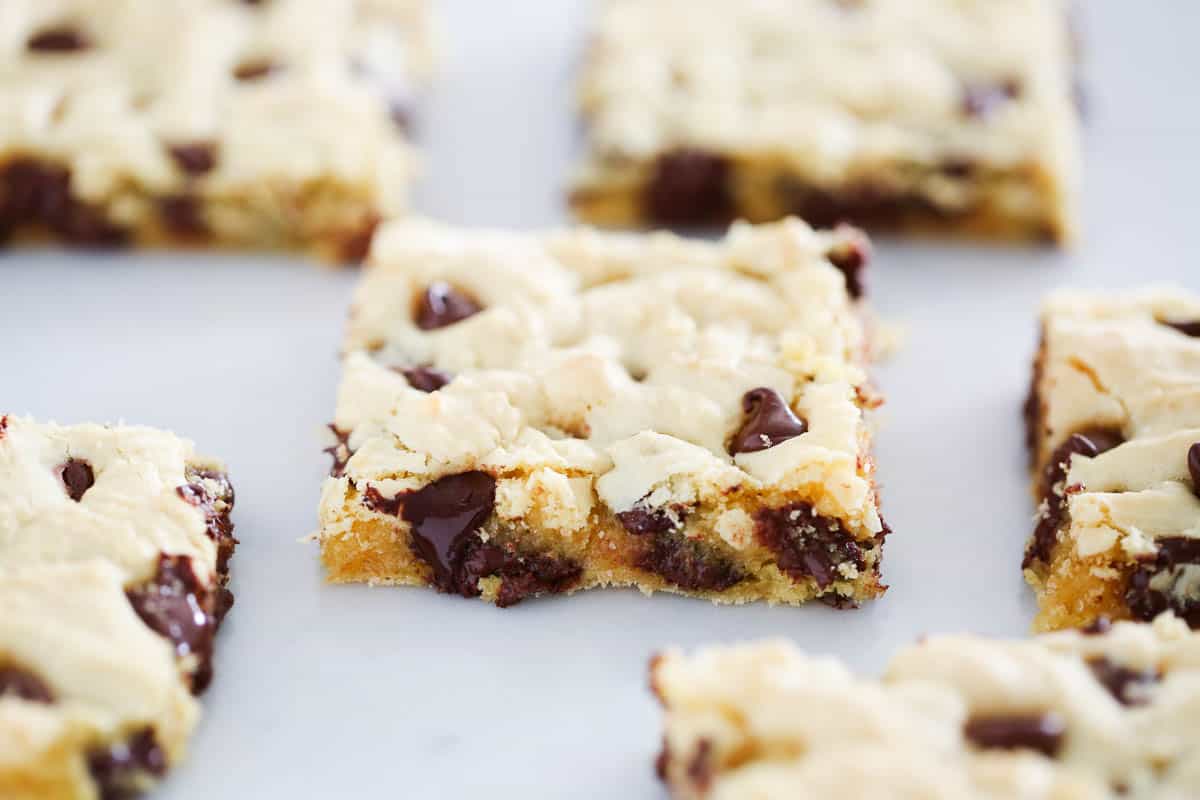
{"x": 1098, "y": 715}
{"x": 926, "y": 115}
{"x": 268, "y": 123}
{"x": 114, "y": 556}
{"x": 1114, "y": 432}
{"x": 524, "y": 414}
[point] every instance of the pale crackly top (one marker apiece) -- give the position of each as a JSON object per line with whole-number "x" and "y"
{"x": 798, "y": 724}
{"x": 607, "y": 366}
{"x": 832, "y": 87}
{"x": 129, "y": 516}
{"x": 162, "y": 71}
{"x": 1114, "y": 361}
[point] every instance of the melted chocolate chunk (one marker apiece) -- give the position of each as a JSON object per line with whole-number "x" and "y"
{"x": 425, "y": 379}
{"x": 1126, "y": 685}
{"x": 851, "y": 257}
{"x": 641, "y": 520}
{"x": 689, "y": 187}
{"x": 1193, "y": 462}
{"x": 687, "y": 563}
{"x": 58, "y": 40}
{"x": 340, "y": 452}
{"x": 441, "y": 305}
{"x": 980, "y": 100}
{"x": 77, "y": 477}
{"x": 23, "y": 684}
{"x": 118, "y": 767}
{"x": 182, "y": 214}
{"x": 520, "y": 576}
{"x": 1042, "y": 733}
{"x": 212, "y": 492}
{"x": 255, "y": 70}
{"x": 1162, "y": 583}
{"x": 769, "y": 421}
{"x": 196, "y": 158}
{"x": 443, "y": 515}
{"x": 807, "y": 545}
{"x": 35, "y": 193}
{"x": 1090, "y": 443}
{"x": 374, "y": 500}
{"x": 178, "y": 607}
{"x": 1188, "y": 328}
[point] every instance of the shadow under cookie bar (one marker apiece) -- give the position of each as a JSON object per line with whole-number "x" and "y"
{"x": 1113, "y": 426}
{"x": 526, "y": 522}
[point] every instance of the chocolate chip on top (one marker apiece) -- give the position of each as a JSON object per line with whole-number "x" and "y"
{"x": 77, "y": 477}
{"x": 62, "y": 39}
{"x": 23, "y": 685}
{"x": 769, "y": 421}
{"x": 441, "y": 305}
{"x": 980, "y": 100}
{"x": 1187, "y": 328}
{"x": 1193, "y": 462}
{"x": 1042, "y": 733}
{"x": 196, "y": 158}
{"x": 177, "y": 606}
{"x": 851, "y": 257}
{"x": 425, "y": 379}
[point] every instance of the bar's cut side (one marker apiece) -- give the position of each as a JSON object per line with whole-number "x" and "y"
{"x": 528, "y": 414}
{"x": 942, "y": 116}
{"x": 1114, "y": 433}
{"x": 208, "y": 122}
{"x": 1100, "y": 714}
{"x": 114, "y": 558}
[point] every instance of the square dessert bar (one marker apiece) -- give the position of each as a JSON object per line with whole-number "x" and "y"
{"x": 114, "y": 557}
{"x": 1096, "y": 715}
{"x": 1114, "y": 432}
{"x": 524, "y": 414}
{"x": 938, "y": 115}
{"x": 269, "y": 123}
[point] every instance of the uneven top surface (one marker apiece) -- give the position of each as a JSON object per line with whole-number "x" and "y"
{"x": 828, "y": 85}
{"x": 620, "y": 358}
{"x": 287, "y": 90}
{"x": 1109, "y": 710}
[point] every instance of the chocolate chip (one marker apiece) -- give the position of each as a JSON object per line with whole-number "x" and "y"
{"x": 1097, "y": 627}
{"x": 982, "y": 99}
{"x": 642, "y": 520}
{"x": 1042, "y": 733}
{"x": 58, "y": 40}
{"x": 769, "y": 421}
{"x": 24, "y": 685}
{"x": 1164, "y": 583}
{"x": 374, "y": 500}
{"x": 255, "y": 70}
{"x": 178, "y": 607}
{"x": 851, "y": 255}
{"x": 1126, "y": 685}
{"x": 182, "y": 214}
{"x": 1191, "y": 328}
{"x": 212, "y": 492}
{"x": 1090, "y": 443}
{"x": 687, "y": 563}
{"x": 443, "y": 514}
{"x": 3, "y": 425}
{"x": 77, "y": 477}
{"x": 196, "y": 158}
{"x": 425, "y": 379}
{"x": 520, "y": 576}
{"x": 808, "y": 545}
{"x": 36, "y": 193}
{"x": 339, "y": 451}
{"x": 689, "y": 187}
{"x": 441, "y": 305}
{"x": 873, "y": 205}
{"x": 1193, "y": 462}
{"x": 118, "y": 769}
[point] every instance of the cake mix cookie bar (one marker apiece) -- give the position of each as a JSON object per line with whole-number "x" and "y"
{"x": 524, "y": 414}
{"x": 1114, "y": 431}
{"x": 1097, "y": 715}
{"x": 277, "y": 123}
{"x": 936, "y": 115}
{"x": 114, "y": 555}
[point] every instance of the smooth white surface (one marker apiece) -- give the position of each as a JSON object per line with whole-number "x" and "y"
{"x": 326, "y": 691}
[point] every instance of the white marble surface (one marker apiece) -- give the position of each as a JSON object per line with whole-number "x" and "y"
{"x": 327, "y": 691}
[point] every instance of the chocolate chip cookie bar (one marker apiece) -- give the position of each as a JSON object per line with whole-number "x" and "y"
{"x": 269, "y": 123}
{"x": 1114, "y": 432}
{"x": 1107, "y": 713}
{"x": 114, "y": 556}
{"x": 527, "y": 414}
{"x": 941, "y": 116}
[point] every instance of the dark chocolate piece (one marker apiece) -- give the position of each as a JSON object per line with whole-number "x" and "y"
{"x": 1126, "y": 685}
{"x": 374, "y": 500}
{"x": 441, "y": 305}
{"x": 178, "y": 607}
{"x": 687, "y": 563}
{"x": 117, "y": 768}
{"x": 769, "y": 421}
{"x": 689, "y": 187}
{"x": 77, "y": 477}
{"x": 196, "y": 158}
{"x": 442, "y": 514}
{"x": 36, "y": 193}
{"x": 213, "y": 493}
{"x": 1160, "y": 584}
{"x": 183, "y": 214}
{"x": 339, "y": 452}
{"x": 808, "y": 545}
{"x": 425, "y": 379}
{"x": 63, "y": 39}
{"x": 1187, "y": 328}
{"x": 24, "y": 685}
{"x": 642, "y": 520}
{"x": 1193, "y": 462}
{"x": 1042, "y": 733}
{"x": 851, "y": 257}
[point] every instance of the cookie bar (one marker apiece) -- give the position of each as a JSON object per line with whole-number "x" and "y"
{"x": 1114, "y": 431}
{"x": 274, "y": 124}
{"x": 1091, "y": 715}
{"x": 912, "y": 115}
{"x": 524, "y": 414}
{"x": 114, "y": 557}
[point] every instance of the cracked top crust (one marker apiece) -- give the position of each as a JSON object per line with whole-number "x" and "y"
{"x": 607, "y": 366}
{"x": 1127, "y": 363}
{"x": 1105, "y": 714}
{"x": 127, "y": 510}
{"x": 835, "y": 87}
{"x": 291, "y": 91}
